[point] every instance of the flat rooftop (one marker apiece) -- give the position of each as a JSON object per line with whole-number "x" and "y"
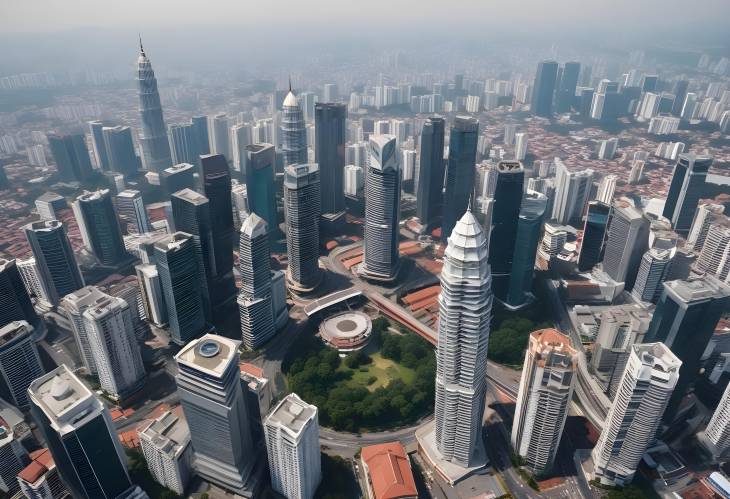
{"x": 191, "y": 196}
{"x": 292, "y": 414}
{"x": 210, "y": 354}
{"x": 58, "y": 390}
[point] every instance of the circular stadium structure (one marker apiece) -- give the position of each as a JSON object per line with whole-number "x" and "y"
{"x": 346, "y": 332}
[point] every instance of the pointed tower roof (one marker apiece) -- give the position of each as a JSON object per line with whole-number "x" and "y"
{"x": 467, "y": 242}
{"x": 290, "y": 100}
{"x": 253, "y": 226}
{"x": 142, "y": 55}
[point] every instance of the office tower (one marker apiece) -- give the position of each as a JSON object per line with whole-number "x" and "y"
{"x": 177, "y": 178}
{"x": 260, "y": 187}
{"x": 565, "y": 96}
{"x": 649, "y": 379}
{"x": 153, "y": 299}
{"x": 685, "y": 190}
{"x": 685, "y": 319}
{"x": 292, "y": 444}
{"x": 19, "y": 362}
{"x": 330, "y": 92}
{"x": 461, "y": 352}
{"x": 572, "y": 189}
{"x": 302, "y": 208}
{"x": 714, "y": 258}
{"x": 460, "y": 172}
{"x": 210, "y": 392}
{"x": 240, "y": 138}
{"x": 520, "y": 146}
{"x": 656, "y": 262}
{"x": 408, "y": 167}
{"x": 527, "y": 237}
{"x": 510, "y": 129}
{"x": 594, "y": 235}
{"x": 628, "y": 237}
{"x": 255, "y": 299}
{"x": 178, "y": 265}
{"x": 544, "y": 88}
{"x": 430, "y": 198}
{"x": 218, "y": 136}
{"x": 606, "y": 189}
{"x": 185, "y": 143}
{"x": 200, "y": 125}
{"x": 15, "y": 304}
{"x": 354, "y": 181}
{"x": 329, "y": 125}
{"x": 130, "y": 208}
{"x": 217, "y": 188}
{"x": 120, "y": 150}
{"x": 48, "y": 205}
{"x": 71, "y": 157}
{"x": 294, "y": 132}
{"x": 716, "y": 436}
{"x": 307, "y": 100}
{"x": 73, "y": 306}
{"x": 40, "y": 479}
{"x": 98, "y": 145}
{"x": 13, "y": 459}
{"x": 57, "y": 268}
{"x": 705, "y": 216}
{"x": 99, "y": 226}
{"x": 546, "y": 388}
{"x": 165, "y": 443}
{"x": 505, "y": 216}
{"x": 637, "y": 172}
{"x": 680, "y": 93}
{"x": 81, "y": 437}
{"x": 382, "y": 210}
{"x": 154, "y": 144}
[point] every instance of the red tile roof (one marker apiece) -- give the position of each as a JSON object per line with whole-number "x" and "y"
{"x": 390, "y": 471}
{"x": 41, "y": 462}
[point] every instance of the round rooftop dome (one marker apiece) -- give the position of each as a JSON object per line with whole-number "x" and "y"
{"x": 209, "y": 348}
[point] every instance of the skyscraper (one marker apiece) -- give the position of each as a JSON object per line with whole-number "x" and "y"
{"x": 705, "y": 215}
{"x": 130, "y": 208}
{"x": 155, "y": 147}
{"x": 628, "y": 238}
{"x": 98, "y": 145}
{"x": 460, "y": 172}
{"x": 177, "y": 178}
{"x": 650, "y": 377}
{"x": 330, "y": 139}
{"x": 606, "y": 189}
{"x": 218, "y": 135}
{"x": 165, "y": 443}
{"x": 81, "y": 437}
{"x": 240, "y": 138}
{"x": 505, "y": 219}
{"x": 527, "y": 237}
{"x": 260, "y": 188}
{"x": 209, "y": 388}
{"x": 382, "y": 210}
{"x": 716, "y": 437}
{"x": 680, "y": 92}
{"x": 19, "y": 362}
{"x": 594, "y": 235}
{"x": 71, "y": 157}
{"x": 546, "y": 388}
{"x": 73, "y": 306}
{"x": 200, "y": 125}
{"x": 685, "y": 319}
{"x": 292, "y": 444}
{"x": 57, "y": 268}
{"x": 461, "y": 352}
{"x": 572, "y": 189}
{"x": 120, "y": 153}
{"x": 294, "y": 131}
{"x": 302, "y": 208}
{"x": 714, "y": 257}
{"x": 567, "y": 86}
{"x": 15, "y": 304}
{"x": 178, "y": 265}
{"x": 656, "y": 262}
{"x": 185, "y": 143}
{"x": 430, "y": 197}
{"x": 685, "y": 190}
{"x": 255, "y": 299}
{"x": 99, "y": 226}
{"x": 150, "y": 288}
{"x": 544, "y": 88}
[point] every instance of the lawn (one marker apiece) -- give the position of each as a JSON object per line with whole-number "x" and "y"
{"x": 385, "y": 370}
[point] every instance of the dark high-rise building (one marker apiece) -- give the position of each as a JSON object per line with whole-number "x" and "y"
{"x": 649, "y": 83}
{"x": 178, "y": 265}
{"x": 301, "y": 203}
{"x": 627, "y": 240}
{"x": 567, "y": 86}
{"x": 430, "y": 196}
{"x": 119, "y": 147}
{"x": 544, "y": 88}
{"x": 594, "y": 235}
{"x": 686, "y": 189}
{"x": 99, "y": 226}
{"x": 97, "y": 141}
{"x": 680, "y": 93}
{"x": 585, "y": 102}
{"x": 71, "y": 156}
{"x": 4, "y": 182}
{"x": 155, "y": 147}
{"x": 177, "y": 178}
{"x": 200, "y": 125}
{"x": 460, "y": 171}
{"x": 260, "y": 186}
{"x": 330, "y": 138}
{"x": 58, "y": 271}
{"x": 15, "y": 304}
{"x": 685, "y": 319}
{"x": 527, "y": 237}
{"x": 505, "y": 220}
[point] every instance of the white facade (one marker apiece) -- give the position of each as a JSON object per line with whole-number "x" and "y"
{"x": 354, "y": 180}
{"x": 571, "y": 192}
{"x": 218, "y": 135}
{"x": 705, "y": 215}
{"x": 165, "y": 443}
{"x": 520, "y": 146}
{"x": 241, "y": 136}
{"x": 715, "y": 254}
{"x": 606, "y": 189}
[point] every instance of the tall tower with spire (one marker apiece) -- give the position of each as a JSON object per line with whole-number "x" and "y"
{"x": 155, "y": 147}
{"x": 293, "y": 131}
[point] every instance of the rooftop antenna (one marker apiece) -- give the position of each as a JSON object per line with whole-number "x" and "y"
{"x": 141, "y": 48}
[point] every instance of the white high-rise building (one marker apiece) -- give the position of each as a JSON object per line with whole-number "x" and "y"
{"x": 153, "y": 299}
{"x": 354, "y": 181}
{"x": 572, "y": 189}
{"x": 31, "y": 280}
{"x": 520, "y": 146}
{"x": 546, "y": 388}
{"x": 705, "y": 215}
{"x": 656, "y": 262}
{"x": 241, "y": 136}
{"x": 628, "y": 239}
{"x": 218, "y": 135}
{"x": 606, "y": 189}
{"x": 637, "y": 171}
{"x": 292, "y": 443}
{"x": 73, "y": 307}
{"x": 130, "y": 208}
{"x": 165, "y": 443}
{"x": 19, "y": 361}
{"x": 13, "y": 458}
{"x": 651, "y": 374}
{"x": 716, "y": 437}
{"x": 715, "y": 255}
{"x": 210, "y": 392}
{"x": 607, "y": 149}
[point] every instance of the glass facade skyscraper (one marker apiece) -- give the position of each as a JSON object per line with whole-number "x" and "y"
{"x": 594, "y": 235}
{"x": 294, "y": 131}
{"x": 155, "y": 147}
{"x": 260, "y": 186}
{"x": 527, "y": 237}
{"x": 430, "y": 195}
{"x": 544, "y": 88}
{"x": 685, "y": 190}
{"x": 330, "y": 138}
{"x": 71, "y": 156}
{"x": 99, "y": 226}
{"x": 460, "y": 172}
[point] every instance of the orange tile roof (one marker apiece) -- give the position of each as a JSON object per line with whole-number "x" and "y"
{"x": 41, "y": 462}
{"x": 251, "y": 369}
{"x": 390, "y": 471}
{"x": 129, "y": 439}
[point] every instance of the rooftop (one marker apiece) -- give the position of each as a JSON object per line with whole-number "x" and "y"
{"x": 58, "y": 391}
{"x": 41, "y": 462}
{"x": 292, "y": 414}
{"x": 14, "y": 330}
{"x": 389, "y": 470}
{"x": 167, "y": 432}
{"x": 191, "y": 196}
{"x": 210, "y": 354}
